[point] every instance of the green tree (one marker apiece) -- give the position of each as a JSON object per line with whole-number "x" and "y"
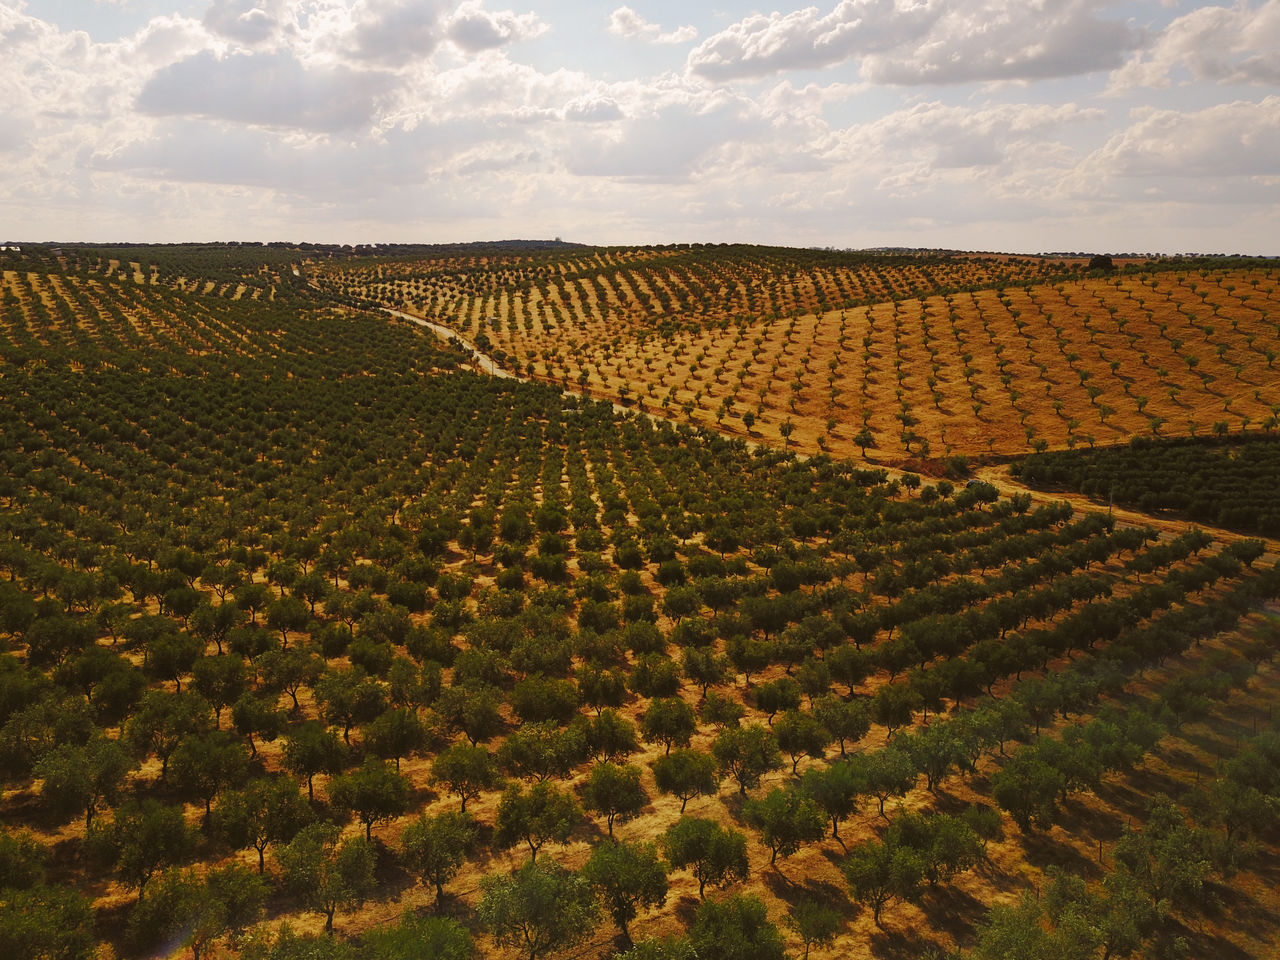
{"x": 651, "y": 948}
{"x": 776, "y": 696}
{"x": 435, "y": 848}
{"x": 615, "y": 792}
{"x": 287, "y": 945}
{"x": 415, "y": 937}
{"x": 327, "y": 874}
{"x": 669, "y": 721}
{"x": 542, "y": 814}
{"x": 893, "y": 705}
{"x": 205, "y": 765}
{"x": 536, "y": 751}
{"x": 290, "y": 671}
{"x": 162, "y": 721}
{"x": 801, "y": 734}
{"x": 467, "y": 770}
{"x": 46, "y": 923}
{"x": 611, "y": 738}
{"x": 1029, "y": 788}
{"x": 255, "y": 716}
{"x": 142, "y": 837}
{"x": 220, "y": 680}
{"x": 1014, "y": 933}
{"x": 687, "y": 774}
{"x": 196, "y": 911}
{"x": 288, "y": 614}
{"x": 269, "y": 810}
{"x": 252, "y": 598}
{"x": 627, "y": 877}
{"x": 836, "y": 790}
{"x": 705, "y": 667}
{"x": 880, "y": 871}
{"x": 746, "y": 754}
{"x": 721, "y": 711}
{"x": 1169, "y": 857}
{"x": 22, "y": 860}
{"x": 471, "y": 709}
{"x": 541, "y": 908}
{"x": 311, "y": 749}
{"x": 349, "y": 698}
{"x": 735, "y": 928}
{"x": 848, "y": 721}
{"x": 540, "y": 698}
{"x": 816, "y": 925}
{"x": 170, "y": 657}
{"x": 80, "y": 779}
{"x": 787, "y": 820}
{"x": 396, "y": 733}
{"x": 888, "y": 773}
{"x": 375, "y": 793}
{"x": 715, "y": 855}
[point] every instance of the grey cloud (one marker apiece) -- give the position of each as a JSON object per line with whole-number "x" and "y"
{"x": 922, "y": 41}
{"x": 1237, "y": 44}
{"x": 13, "y": 134}
{"x": 474, "y": 29}
{"x": 396, "y": 32}
{"x": 1239, "y": 139}
{"x": 250, "y": 22}
{"x": 267, "y": 89}
{"x": 936, "y": 136}
{"x": 217, "y": 152}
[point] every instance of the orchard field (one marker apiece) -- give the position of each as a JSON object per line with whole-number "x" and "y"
{"x": 904, "y": 357}
{"x": 319, "y": 643}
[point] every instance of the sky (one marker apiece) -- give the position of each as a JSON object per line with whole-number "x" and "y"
{"x": 1010, "y": 125}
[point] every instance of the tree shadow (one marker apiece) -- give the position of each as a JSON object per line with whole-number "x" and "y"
{"x": 951, "y": 910}
{"x": 686, "y": 908}
{"x": 392, "y": 878}
{"x": 1042, "y": 851}
{"x": 895, "y": 944}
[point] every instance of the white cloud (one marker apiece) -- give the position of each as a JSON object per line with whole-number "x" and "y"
{"x": 1228, "y": 140}
{"x": 625, "y": 22}
{"x": 922, "y": 41}
{"x": 951, "y": 136}
{"x": 1237, "y": 44}
{"x": 673, "y": 144}
{"x": 593, "y": 109}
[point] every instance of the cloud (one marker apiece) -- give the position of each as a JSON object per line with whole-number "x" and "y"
{"x": 625, "y": 22}
{"x": 922, "y": 41}
{"x": 473, "y": 28}
{"x": 960, "y": 158}
{"x": 1237, "y": 139}
{"x": 265, "y": 89}
{"x": 249, "y": 22}
{"x": 395, "y": 33}
{"x": 673, "y": 144}
{"x": 1235, "y": 44}
{"x": 593, "y": 109}
{"x": 365, "y": 120}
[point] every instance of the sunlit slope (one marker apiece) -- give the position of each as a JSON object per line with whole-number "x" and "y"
{"x": 935, "y": 357}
